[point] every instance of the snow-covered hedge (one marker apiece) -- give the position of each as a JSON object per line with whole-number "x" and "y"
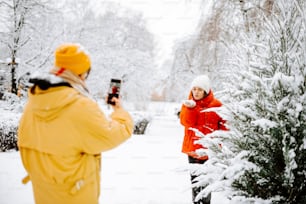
{"x": 8, "y": 137}
{"x": 10, "y": 109}
{"x": 141, "y": 121}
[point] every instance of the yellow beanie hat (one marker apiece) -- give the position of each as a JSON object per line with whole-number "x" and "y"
{"x": 72, "y": 57}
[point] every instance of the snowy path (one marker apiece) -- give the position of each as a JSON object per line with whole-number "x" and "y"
{"x": 12, "y": 191}
{"x": 147, "y": 169}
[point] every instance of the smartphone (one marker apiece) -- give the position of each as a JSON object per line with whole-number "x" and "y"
{"x": 114, "y": 90}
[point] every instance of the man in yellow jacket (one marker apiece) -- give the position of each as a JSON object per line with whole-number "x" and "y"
{"x": 62, "y": 132}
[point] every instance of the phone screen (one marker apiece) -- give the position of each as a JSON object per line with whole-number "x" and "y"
{"x": 114, "y": 90}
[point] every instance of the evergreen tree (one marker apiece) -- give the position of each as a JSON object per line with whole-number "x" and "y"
{"x": 263, "y": 155}
{"x": 270, "y": 107}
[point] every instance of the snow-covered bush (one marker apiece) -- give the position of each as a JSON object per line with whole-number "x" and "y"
{"x": 12, "y": 102}
{"x": 263, "y": 155}
{"x": 10, "y": 108}
{"x": 8, "y": 128}
{"x": 8, "y": 137}
{"x": 272, "y": 108}
{"x": 141, "y": 121}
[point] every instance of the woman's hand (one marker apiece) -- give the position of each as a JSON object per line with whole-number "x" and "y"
{"x": 189, "y": 103}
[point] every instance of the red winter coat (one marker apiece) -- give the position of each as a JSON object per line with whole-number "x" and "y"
{"x": 206, "y": 122}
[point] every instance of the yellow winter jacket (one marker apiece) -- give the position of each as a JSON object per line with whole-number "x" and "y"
{"x": 60, "y": 136}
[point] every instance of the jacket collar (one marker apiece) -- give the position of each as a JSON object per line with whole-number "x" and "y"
{"x": 204, "y": 102}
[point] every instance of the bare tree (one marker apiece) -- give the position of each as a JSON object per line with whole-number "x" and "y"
{"x": 18, "y": 20}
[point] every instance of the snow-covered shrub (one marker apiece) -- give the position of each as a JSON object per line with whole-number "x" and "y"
{"x": 140, "y": 126}
{"x": 268, "y": 107}
{"x": 263, "y": 155}
{"x": 11, "y": 102}
{"x": 226, "y": 164}
{"x": 141, "y": 121}
{"x": 272, "y": 110}
{"x": 10, "y": 109}
{"x": 8, "y": 130}
{"x": 8, "y": 137}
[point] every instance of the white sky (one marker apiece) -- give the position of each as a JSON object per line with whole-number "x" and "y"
{"x": 167, "y": 19}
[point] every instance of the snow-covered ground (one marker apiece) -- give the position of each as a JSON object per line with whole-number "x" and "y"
{"x": 147, "y": 169}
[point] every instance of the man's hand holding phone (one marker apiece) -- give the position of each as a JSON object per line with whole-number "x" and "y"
{"x": 116, "y": 102}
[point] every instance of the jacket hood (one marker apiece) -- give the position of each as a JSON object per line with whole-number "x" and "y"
{"x": 47, "y": 104}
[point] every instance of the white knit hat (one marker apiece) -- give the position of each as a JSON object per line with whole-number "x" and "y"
{"x": 202, "y": 82}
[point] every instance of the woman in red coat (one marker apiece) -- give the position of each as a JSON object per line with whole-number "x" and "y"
{"x": 193, "y": 116}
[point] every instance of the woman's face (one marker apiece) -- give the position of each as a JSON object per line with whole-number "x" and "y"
{"x": 197, "y": 93}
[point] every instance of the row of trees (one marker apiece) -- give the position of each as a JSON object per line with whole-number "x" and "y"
{"x": 255, "y": 51}
{"x": 117, "y": 39}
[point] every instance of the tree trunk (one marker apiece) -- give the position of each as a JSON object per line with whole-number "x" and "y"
{"x": 13, "y": 65}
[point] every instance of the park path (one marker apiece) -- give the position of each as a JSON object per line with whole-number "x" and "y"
{"x": 148, "y": 169}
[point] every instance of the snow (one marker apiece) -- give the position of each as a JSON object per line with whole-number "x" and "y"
{"x": 264, "y": 123}
{"x": 150, "y": 168}
{"x": 147, "y": 169}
